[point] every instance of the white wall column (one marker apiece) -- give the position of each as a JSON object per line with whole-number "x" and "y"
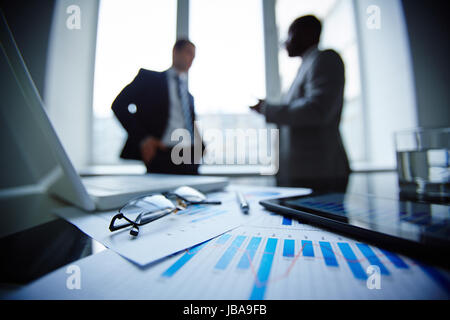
{"x": 182, "y": 19}
{"x": 70, "y": 76}
{"x": 273, "y": 86}
{"x": 386, "y": 77}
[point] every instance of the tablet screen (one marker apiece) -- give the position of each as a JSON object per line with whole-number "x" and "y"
{"x": 405, "y": 219}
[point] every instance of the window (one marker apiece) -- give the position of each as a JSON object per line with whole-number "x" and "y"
{"x": 228, "y": 74}
{"x": 131, "y": 34}
{"x": 338, "y": 33}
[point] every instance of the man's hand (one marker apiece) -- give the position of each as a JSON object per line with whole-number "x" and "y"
{"x": 149, "y": 147}
{"x": 257, "y": 107}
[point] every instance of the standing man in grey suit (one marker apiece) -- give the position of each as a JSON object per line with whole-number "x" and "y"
{"x": 312, "y": 154}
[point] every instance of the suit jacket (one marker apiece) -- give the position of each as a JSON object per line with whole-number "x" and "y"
{"x": 149, "y": 91}
{"x": 310, "y": 143}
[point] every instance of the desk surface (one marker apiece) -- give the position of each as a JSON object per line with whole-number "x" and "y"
{"x": 64, "y": 245}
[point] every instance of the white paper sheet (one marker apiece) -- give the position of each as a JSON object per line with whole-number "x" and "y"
{"x": 174, "y": 232}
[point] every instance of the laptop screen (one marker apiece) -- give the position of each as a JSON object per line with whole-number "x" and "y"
{"x": 32, "y": 154}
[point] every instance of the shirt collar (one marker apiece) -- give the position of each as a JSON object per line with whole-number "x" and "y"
{"x": 309, "y": 53}
{"x": 173, "y": 73}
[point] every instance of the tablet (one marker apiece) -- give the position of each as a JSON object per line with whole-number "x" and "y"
{"x": 414, "y": 228}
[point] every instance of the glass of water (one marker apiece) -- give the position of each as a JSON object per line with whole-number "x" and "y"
{"x": 423, "y": 163}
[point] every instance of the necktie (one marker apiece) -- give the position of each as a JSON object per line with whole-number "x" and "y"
{"x": 184, "y": 99}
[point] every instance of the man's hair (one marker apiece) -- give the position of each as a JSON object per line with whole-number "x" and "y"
{"x": 309, "y": 24}
{"x": 181, "y": 43}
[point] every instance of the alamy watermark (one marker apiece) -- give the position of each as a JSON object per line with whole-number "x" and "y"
{"x": 73, "y": 281}
{"x": 73, "y": 21}
{"x": 373, "y": 21}
{"x": 374, "y": 279}
{"x": 228, "y": 147}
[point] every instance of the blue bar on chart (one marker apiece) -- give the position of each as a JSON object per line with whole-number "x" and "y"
{"x": 372, "y": 258}
{"x": 289, "y": 248}
{"x": 353, "y": 263}
{"x": 223, "y": 238}
{"x": 328, "y": 254}
{"x": 287, "y": 221}
{"x": 395, "y": 259}
{"x": 195, "y": 209}
{"x": 259, "y": 289}
{"x": 249, "y": 253}
{"x": 229, "y": 253}
{"x": 183, "y": 260}
{"x": 307, "y": 248}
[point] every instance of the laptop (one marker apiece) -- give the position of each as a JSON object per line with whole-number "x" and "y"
{"x": 33, "y": 154}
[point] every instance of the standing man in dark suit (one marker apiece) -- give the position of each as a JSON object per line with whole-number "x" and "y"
{"x": 152, "y": 106}
{"x": 312, "y": 154}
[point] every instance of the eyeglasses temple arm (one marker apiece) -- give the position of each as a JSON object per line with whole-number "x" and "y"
{"x": 119, "y": 216}
{"x": 168, "y": 194}
{"x": 205, "y": 202}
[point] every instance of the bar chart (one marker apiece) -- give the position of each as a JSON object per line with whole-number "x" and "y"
{"x": 250, "y": 263}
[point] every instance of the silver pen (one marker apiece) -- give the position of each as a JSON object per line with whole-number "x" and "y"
{"x": 242, "y": 202}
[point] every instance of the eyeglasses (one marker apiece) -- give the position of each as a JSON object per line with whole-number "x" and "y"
{"x": 153, "y": 207}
